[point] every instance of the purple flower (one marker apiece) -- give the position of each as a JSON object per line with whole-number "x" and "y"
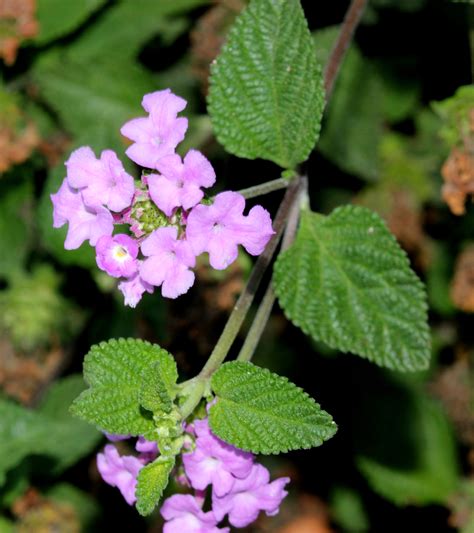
{"x": 249, "y": 496}
{"x": 158, "y": 134}
{"x": 85, "y": 223}
{"x": 146, "y": 446}
{"x": 117, "y": 255}
{"x": 101, "y": 181}
{"x": 183, "y": 514}
{"x": 168, "y": 262}
{"x": 133, "y": 289}
{"x": 219, "y": 228}
{"x": 180, "y": 182}
{"x": 116, "y": 438}
{"x": 119, "y": 471}
{"x": 215, "y": 462}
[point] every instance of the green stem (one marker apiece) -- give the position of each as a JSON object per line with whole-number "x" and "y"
{"x": 196, "y": 387}
{"x": 264, "y": 188}
{"x": 258, "y": 325}
{"x": 244, "y": 302}
{"x": 266, "y": 305}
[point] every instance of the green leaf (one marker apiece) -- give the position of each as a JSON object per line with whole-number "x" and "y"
{"x": 114, "y": 371}
{"x": 266, "y": 95}
{"x": 262, "y": 412}
{"x": 151, "y": 482}
{"x": 158, "y": 386}
{"x": 57, "y": 17}
{"x": 346, "y": 281}
{"x": 49, "y": 431}
{"x": 411, "y": 459}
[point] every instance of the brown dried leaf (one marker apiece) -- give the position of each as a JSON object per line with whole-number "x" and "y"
{"x": 16, "y": 146}
{"x": 462, "y": 286}
{"x": 453, "y": 386}
{"x": 48, "y": 517}
{"x": 23, "y": 376}
{"x": 406, "y": 223}
{"x": 458, "y": 174}
{"x": 17, "y": 23}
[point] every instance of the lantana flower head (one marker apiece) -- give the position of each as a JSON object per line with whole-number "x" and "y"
{"x": 169, "y": 220}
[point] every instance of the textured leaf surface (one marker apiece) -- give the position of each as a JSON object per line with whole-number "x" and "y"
{"x": 49, "y": 431}
{"x": 346, "y": 281}
{"x": 114, "y": 371}
{"x": 266, "y": 95}
{"x": 151, "y": 482}
{"x": 262, "y": 412}
{"x": 158, "y": 386}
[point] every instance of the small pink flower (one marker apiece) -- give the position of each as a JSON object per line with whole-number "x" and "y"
{"x": 184, "y": 515}
{"x": 158, "y": 134}
{"x": 249, "y": 496}
{"x": 146, "y": 446}
{"x": 85, "y": 223}
{"x": 180, "y": 182}
{"x": 119, "y": 471}
{"x": 215, "y": 462}
{"x": 168, "y": 262}
{"x": 116, "y": 438}
{"x": 117, "y": 255}
{"x": 102, "y": 181}
{"x": 219, "y": 228}
{"x": 133, "y": 289}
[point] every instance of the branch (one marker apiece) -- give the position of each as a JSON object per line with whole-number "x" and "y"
{"x": 351, "y": 20}
{"x": 244, "y": 302}
{"x": 265, "y": 308}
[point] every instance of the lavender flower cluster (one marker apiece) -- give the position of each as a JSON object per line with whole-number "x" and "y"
{"x": 241, "y": 488}
{"x": 169, "y": 223}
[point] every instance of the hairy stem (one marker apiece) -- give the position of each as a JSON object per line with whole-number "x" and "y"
{"x": 264, "y": 188}
{"x": 265, "y": 308}
{"x": 351, "y": 20}
{"x": 244, "y": 302}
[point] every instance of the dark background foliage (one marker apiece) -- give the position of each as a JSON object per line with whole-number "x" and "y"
{"x": 404, "y": 453}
